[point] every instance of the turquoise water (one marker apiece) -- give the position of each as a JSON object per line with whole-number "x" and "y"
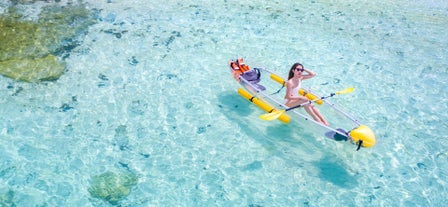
{"x": 154, "y": 98}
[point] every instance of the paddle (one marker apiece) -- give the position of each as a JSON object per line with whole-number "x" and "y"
{"x": 275, "y": 114}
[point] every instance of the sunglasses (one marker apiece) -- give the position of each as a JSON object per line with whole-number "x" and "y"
{"x": 299, "y": 69}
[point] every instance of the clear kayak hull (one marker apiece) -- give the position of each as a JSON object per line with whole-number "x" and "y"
{"x": 265, "y": 89}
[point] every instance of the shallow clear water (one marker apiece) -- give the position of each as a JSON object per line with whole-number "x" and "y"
{"x": 154, "y": 97}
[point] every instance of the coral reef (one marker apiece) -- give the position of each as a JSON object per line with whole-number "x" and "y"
{"x": 33, "y": 51}
{"x": 112, "y": 187}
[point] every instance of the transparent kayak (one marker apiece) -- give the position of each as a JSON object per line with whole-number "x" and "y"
{"x": 266, "y": 90}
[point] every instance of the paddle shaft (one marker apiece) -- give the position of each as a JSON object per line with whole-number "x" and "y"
{"x": 309, "y": 102}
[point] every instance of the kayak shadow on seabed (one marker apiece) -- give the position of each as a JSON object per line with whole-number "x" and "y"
{"x": 333, "y": 170}
{"x": 238, "y": 110}
{"x": 279, "y": 139}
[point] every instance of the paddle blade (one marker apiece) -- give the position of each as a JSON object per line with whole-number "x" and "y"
{"x": 348, "y": 90}
{"x": 273, "y": 115}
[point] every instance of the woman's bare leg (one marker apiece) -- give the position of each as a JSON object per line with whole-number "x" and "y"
{"x": 310, "y": 109}
{"x": 319, "y": 115}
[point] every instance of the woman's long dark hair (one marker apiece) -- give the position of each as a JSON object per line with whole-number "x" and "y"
{"x": 291, "y": 71}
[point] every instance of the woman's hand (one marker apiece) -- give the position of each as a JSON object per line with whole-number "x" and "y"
{"x": 309, "y": 74}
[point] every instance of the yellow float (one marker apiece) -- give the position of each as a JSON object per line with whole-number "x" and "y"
{"x": 263, "y": 105}
{"x": 363, "y": 133}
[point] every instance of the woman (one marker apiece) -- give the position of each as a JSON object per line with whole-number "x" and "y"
{"x": 293, "y": 98}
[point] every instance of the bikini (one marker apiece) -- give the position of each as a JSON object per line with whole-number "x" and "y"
{"x": 295, "y": 90}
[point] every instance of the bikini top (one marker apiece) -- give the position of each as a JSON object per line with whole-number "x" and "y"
{"x": 295, "y": 90}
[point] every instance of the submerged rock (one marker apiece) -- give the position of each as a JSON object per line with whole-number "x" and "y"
{"x": 112, "y": 187}
{"x": 29, "y": 48}
{"x": 33, "y": 69}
